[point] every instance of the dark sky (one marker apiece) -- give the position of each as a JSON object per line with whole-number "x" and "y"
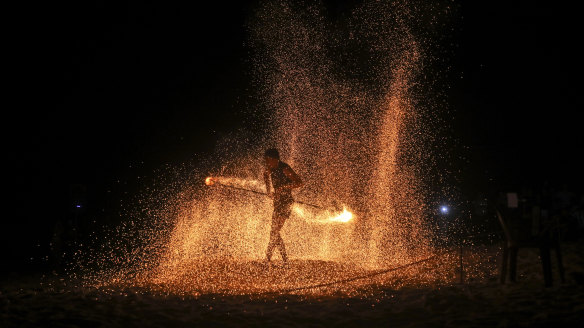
{"x": 518, "y": 106}
{"x": 109, "y": 85}
{"x": 102, "y": 85}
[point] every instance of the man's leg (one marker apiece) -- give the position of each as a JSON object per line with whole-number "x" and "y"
{"x": 281, "y": 213}
{"x": 274, "y": 236}
{"x": 280, "y": 241}
{"x": 282, "y": 249}
{"x": 271, "y": 245}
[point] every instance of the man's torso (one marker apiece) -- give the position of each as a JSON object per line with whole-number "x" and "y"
{"x": 280, "y": 179}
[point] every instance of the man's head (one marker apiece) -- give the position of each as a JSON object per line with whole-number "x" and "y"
{"x": 272, "y": 157}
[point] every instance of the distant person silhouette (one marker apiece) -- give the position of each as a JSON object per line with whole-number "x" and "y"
{"x": 564, "y": 199}
{"x": 565, "y": 203}
{"x": 282, "y": 180}
{"x": 579, "y": 215}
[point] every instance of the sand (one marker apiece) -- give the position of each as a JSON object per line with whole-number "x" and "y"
{"x": 50, "y": 300}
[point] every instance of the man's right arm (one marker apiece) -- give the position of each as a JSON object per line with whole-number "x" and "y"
{"x": 267, "y": 181}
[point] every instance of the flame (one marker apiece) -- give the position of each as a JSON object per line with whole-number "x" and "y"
{"x": 299, "y": 211}
{"x": 209, "y": 181}
{"x": 344, "y": 216}
{"x": 324, "y": 217}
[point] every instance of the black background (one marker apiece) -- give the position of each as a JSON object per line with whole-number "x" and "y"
{"x": 102, "y": 92}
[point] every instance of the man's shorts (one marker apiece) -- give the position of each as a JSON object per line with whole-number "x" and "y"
{"x": 283, "y": 208}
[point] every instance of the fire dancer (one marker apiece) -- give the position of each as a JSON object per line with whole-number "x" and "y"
{"x": 283, "y": 180}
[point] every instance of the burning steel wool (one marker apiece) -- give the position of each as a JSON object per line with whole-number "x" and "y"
{"x": 345, "y": 107}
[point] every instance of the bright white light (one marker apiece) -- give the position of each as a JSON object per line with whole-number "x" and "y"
{"x": 444, "y": 209}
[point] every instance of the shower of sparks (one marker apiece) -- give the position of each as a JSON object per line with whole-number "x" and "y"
{"x": 345, "y": 106}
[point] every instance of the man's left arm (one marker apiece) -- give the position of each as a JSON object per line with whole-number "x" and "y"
{"x": 296, "y": 181}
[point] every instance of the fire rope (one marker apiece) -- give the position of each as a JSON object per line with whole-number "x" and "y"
{"x": 341, "y": 281}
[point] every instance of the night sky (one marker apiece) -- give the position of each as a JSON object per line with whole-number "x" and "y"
{"x": 107, "y": 91}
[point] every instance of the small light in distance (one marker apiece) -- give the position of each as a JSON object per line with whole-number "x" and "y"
{"x": 444, "y": 209}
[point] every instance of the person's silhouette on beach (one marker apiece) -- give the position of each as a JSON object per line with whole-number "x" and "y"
{"x": 283, "y": 179}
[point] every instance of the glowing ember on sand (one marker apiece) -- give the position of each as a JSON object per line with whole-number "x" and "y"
{"x": 345, "y": 111}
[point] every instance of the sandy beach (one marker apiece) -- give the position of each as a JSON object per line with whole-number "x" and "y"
{"x": 50, "y": 300}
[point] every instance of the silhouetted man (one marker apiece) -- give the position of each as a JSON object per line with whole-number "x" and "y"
{"x": 283, "y": 180}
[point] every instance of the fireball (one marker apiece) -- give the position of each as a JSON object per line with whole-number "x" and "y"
{"x": 344, "y": 216}
{"x": 209, "y": 181}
